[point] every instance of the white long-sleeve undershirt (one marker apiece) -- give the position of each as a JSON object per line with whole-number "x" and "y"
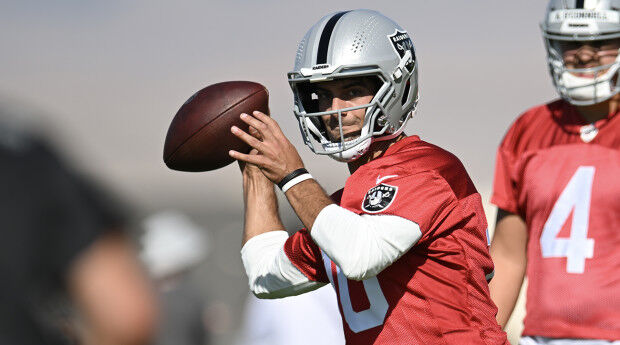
{"x": 270, "y": 272}
{"x": 361, "y": 245}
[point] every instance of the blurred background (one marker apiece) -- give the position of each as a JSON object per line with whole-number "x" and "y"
{"x": 105, "y": 78}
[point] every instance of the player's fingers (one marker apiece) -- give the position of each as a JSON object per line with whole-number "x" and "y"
{"x": 266, "y": 119}
{"x": 255, "y": 133}
{"x": 248, "y": 158}
{"x": 273, "y": 124}
{"x": 260, "y": 126}
{"x": 248, "y": 139}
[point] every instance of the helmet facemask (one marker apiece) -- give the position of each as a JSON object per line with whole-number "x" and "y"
{"x": 579, "y": 90}
{"x": 341, "y": 148}
{"x": 570, "y": 24}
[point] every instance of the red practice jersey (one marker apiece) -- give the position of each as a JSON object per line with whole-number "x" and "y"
{"x": 437, "y": 292}
{"x": 561, "y": 176}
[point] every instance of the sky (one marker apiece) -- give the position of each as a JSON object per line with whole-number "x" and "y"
{"x": 107, "y": 77}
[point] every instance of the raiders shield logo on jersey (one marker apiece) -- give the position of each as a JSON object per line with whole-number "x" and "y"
{"x": 379, "y": 198}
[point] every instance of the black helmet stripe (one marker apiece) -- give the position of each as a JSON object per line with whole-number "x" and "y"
{"x": 321, "y": 56}
{"x": 579, "y": 4}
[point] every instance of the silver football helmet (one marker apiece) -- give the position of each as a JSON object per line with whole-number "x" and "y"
{"x": 570, "y": 22}
{"x": 351, "y": 44}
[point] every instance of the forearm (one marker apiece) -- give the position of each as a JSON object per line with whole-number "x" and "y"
{"x": 308, "y": 199}
{"x": 270, "y": 272}
{"x": 508, "y": 251}
{"x": 261, "y": 208}
{"x": 272, "y": 158}
{"x": 505, "y": 286}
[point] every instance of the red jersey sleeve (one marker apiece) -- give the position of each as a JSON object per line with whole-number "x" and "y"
{"x": 424, "y": 198}
{"x": 504, "y": 183}
{"x": 306, "y": 256}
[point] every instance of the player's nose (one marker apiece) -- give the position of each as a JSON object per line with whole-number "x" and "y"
{"x": 586, "y": 54}
{"x": 337, "y": 104}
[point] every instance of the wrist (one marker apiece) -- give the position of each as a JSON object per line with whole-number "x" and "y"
{"x": 256, "y": 178}
{"x": 257, "y": 188}
{"x": 295, "y": 177}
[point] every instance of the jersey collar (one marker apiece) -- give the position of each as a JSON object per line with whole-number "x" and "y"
{"x": 569, "y": 118}
{"x": 400, "y": 144}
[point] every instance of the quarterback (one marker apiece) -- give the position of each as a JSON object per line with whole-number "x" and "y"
{"x": 556, "y": 187}
{"x": 404, "y": 242}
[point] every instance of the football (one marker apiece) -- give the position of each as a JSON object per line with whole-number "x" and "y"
{"x": 199, "y": 136}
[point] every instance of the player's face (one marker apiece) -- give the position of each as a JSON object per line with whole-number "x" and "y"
{"x": 340, "y": 94}
{"x": 578, "y": 55}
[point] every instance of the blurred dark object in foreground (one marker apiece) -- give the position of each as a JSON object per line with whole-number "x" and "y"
{"x": 62, "y": 238}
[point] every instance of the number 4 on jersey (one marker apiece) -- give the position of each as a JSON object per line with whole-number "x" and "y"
{"x": 577, "y": 248}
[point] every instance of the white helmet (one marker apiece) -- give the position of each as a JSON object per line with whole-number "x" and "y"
{"x": 172, "y": 243}
{"x": 581, "y": 21}
{"x": 352, "y": 44}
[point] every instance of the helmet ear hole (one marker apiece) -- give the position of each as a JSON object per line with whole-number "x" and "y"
{"x": 406, "y": 93}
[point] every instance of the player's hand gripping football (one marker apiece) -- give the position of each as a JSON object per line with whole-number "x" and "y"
{"x": 272, "y": 152}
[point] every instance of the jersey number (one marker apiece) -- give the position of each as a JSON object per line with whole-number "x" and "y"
{"x": 365, "y": 319}
{"x": 578, "y": 247}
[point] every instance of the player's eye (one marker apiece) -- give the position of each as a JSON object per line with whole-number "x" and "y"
{"x": 609, "y": 44}
{"x": 569, "y": 46}
{"x": 322, "y": 95}
{"x": 356, "y": 92}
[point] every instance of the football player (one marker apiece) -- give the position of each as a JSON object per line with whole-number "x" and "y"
{"x": 556, "y": 187}
{"x": 404, "y": 242}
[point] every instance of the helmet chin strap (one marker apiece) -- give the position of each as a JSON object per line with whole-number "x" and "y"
{"x": 353, "y": 153}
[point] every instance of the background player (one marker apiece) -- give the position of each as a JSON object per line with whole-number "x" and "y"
{"x": 404, "y": 245}
{"x": 63, "y": 239}
{"x": 556, "y": 187}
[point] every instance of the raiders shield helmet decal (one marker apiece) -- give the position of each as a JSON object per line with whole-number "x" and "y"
{"x": 379, "y": 198}
{"x": 402, "y": 42}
